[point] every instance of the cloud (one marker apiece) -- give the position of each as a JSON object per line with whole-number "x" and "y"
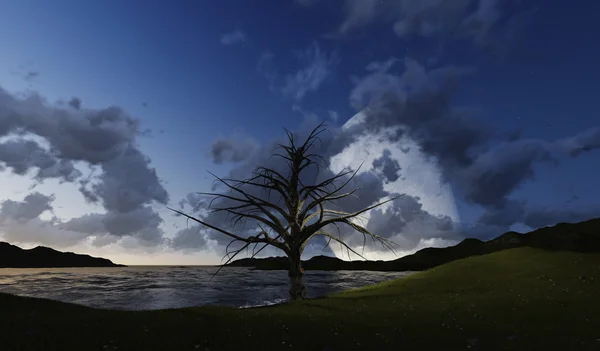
{"x": 382, "y": 67}
{"x": 406, "y": 99}
{"x": 141, "y": 223}
{"x": 458, "y": 17}
{"x": 235, "y": 37}
{"x": 266, "y": 67}
{"x": 358, "y": 13}
{"x": 306, "y": 2}
{"x": 479, "y": 23}
{"x": 495, "y": 174}
{"x": 75, "y": 103}
{"x": 369, "y": 182}
{"x": 20, "y": 219}
{"x": 104, "y": 139}
{"x": 235, "y": 148}
{"x": 91, "y": 224}
{"x": 20, "y": 222}
{"x": 535, "y": 216}
{"x": 333, "y": 116}
{"x": 40, "y": 232}
{"x": 418, "y": 103}
{"x": 388, "y": 166}
{"x": 545, "y": 216}
{"x": 31, "y": 75}
{"x": 128, "y": 183}
{"x": 583, "y": 142}
{"x": 485, "y": 172}
{"x": 407, "y": 223}
{"x": 316, "y": 67}
{"x": 194, "y": 201}
{"x": 189, "y": 239}
{"x": 90, "y": 135}
{"x": 21, "y": 155}
{"x": 31, "y": 207}
{"x": 426, "y": 18}
{"x": 411, "y": 100}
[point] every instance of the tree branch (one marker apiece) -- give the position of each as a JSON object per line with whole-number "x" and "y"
{"x": 234, "y": 236}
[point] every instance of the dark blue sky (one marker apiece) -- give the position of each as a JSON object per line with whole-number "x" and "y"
{"x": 197, "y": 71}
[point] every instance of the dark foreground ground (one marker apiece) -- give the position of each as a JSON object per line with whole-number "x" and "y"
{"x": 518, "y": 299}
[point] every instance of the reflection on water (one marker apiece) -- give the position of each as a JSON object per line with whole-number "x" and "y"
{"x": 144, "y": 287}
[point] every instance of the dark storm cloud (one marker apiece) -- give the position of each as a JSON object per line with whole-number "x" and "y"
{"x": 75, "y": 103}
{"x": 492, "y": 175}
{"x": 404, "y": 222}
{"x": 235, "y": 148}
{"x": 370, "y": 191}
{"x": 141, "y": 223}
{"x": 495, "y": 174}
{"x": 189, "y": 239}
{"x": 94, "y": 136}
{"x": 31, "y": 207}
{"x": 91, "y": 224}
{"x": 22, "y": 155}
{"x": 194, "y": 200}
{"x": 128, "y": 183}
{"x": 418, "y": 103}
{"x": 103, "y": 138}
{"x": 388, "y": 166}
{"x": 407, "y": 223}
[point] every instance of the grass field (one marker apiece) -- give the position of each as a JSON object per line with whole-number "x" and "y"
{"x": 518, "y": 299}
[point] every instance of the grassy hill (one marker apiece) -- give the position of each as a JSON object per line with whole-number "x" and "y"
{"x": 516, "y": 299}
{"x": 580, "y": 237}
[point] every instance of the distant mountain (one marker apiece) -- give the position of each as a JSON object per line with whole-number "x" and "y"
{"x": 12, "y": 256}
{"x": 581, "y": 237}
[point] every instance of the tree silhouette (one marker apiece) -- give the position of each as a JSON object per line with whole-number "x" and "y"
{"x": 303, "y": 214}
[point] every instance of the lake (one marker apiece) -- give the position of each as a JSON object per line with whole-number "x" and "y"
{"x": 150, "y": 287}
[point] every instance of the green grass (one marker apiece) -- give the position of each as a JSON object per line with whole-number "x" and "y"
{"x": 519, "y": 299}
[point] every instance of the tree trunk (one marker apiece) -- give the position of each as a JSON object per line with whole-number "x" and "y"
{"x": 297, "y": 287}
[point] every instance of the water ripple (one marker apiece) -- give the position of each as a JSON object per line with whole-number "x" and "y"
{"x": 148, "y": 288}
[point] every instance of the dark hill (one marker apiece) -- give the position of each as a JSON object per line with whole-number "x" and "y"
{"x": 580, "y": 237}
{"x": 12, "y": 256}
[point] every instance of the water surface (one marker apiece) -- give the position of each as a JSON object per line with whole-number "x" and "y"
{"x": 147, "y": 288}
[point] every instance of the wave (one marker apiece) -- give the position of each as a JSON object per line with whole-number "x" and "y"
{"x": 264, "y": 303}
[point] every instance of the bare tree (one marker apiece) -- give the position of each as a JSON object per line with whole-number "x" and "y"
{"x": 302, "y": 216}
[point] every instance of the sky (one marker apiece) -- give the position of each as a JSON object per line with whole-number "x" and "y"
{"x": 483, "y": 112}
